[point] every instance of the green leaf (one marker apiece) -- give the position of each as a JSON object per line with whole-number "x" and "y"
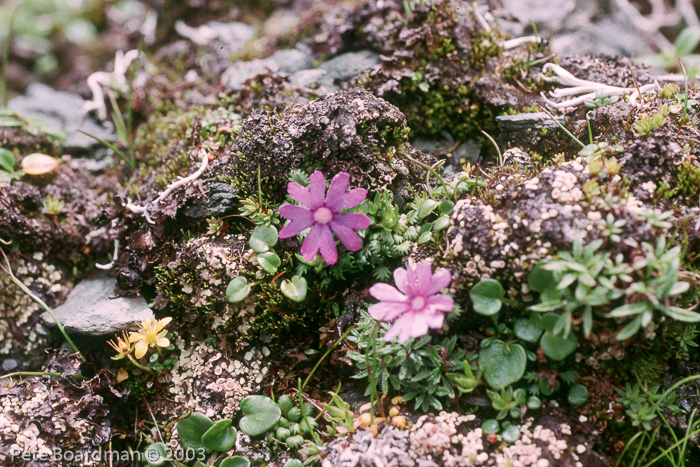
{"x": 511, "y": 434}
{"x": 486, "y": 297}
{"x": 238, "y": 289}
{"x": 446, "y": 207}
{"x": 285, "y": 403}
{"x": 221, "y": 436}
{"x": 269, "y": 261}
{"x": 503, "y": 365}
{"x": 541, "y": 279}
{"x": 441, "y": 223}
{"x": 425, "y": 237}
{"x": 191, "y": 429}
{"x": 490, "y": 426}
{"x": 156, "y": 454}
{"x": 629, "y": 310}
{"x": 295, "y": 289}
{"x": 426, "y": 208}
{"x": 293, "y": 463}
{"x": 263, "y": 238}
{"x": 260, "y": 414}
{"x": 556, "y": 347}
{"x": 236, "y": 461}
{"x": 7, "y": 161}
{"x": 630, "y": 329}
{"x": 528, "y": 329}
{"x": 687, "y": 41}
{"x": 681, "y": 314}
{"x": 577, "y": 394}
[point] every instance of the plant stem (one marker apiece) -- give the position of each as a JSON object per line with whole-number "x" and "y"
{"x": 342, "y": 338}
{"x": 431, "y": 170}
{"x": 562, "y": 127}
{"x": 143, "y": 367}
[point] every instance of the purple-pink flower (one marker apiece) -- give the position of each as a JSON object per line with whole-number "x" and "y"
{"x": 417, "y": 303}
{"x": 323, "y": 214}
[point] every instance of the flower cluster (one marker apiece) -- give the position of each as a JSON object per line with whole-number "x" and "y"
{"x": 324, "y": 215}
{"x": 416, "y": 305}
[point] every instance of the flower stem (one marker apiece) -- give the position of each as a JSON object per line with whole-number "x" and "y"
{"x": 431, "y": 170}
{"x": 143, "y": 367}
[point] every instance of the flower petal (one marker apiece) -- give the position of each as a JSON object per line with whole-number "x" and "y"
{"x": 352, "y": 220}
{"x": 387, "y": 293}
{"x": 336, "y": 192}
{"x": 301, "y": 194}
{"x": 301, "y": 219}
{"x": 401, "y": 279}
{"x": 434, "y": 320}
{"x": 441, "y": 303}
{"x": 163, "y": 322}
{"x": 387, "y": 311}
{"x": 311, "y": 244}
{"x": 410, "y": 325}
{"x": 438, "y": 282}
{"x": 140, "y": 349}
{"x": 163, "y": 342}
{"x": 327, "y": 245}
{"x": 317, "y": 190}
{"x": 136, "y": 337}
{"x": 354, "y": 197}
{"x": 347, "y": 236}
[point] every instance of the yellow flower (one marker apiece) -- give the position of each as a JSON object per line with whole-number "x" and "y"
{"x": 151, "y": 334}
{"x": 121, "y": 345}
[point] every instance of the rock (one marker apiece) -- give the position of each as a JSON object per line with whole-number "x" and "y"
{"x": 345, "y": 67}
{"x": 222, "y": 200}
{"x": 307, "y": 78}
{"x": 350, "y": 131}
{"x": 233, "y": 35}
{"x": 539, "y": 11}
{"x": 613, "y": 35}
{"x": 527, "y": 121}
{"x": 283, "y": 61}
{"x": 61, "y": 111}
{"x": 9, "y": 364}
{"x": 90, "y": 310}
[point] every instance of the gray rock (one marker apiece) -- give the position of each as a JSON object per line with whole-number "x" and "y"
{"x": 307, "y": 78}
{"x": 90, "y": 310}
{"x": 527, "y": 121}
{"x": 233, "y": 35}
{"x": 282, "y": 61}
{"x": 541, "y": 12}
{"x": 223, "y": 198}
{"x": 61, "y": 111}
{"x": 9, "y": 364}
{"x": 346, "y": 66}
{"x": 613, "y": 35}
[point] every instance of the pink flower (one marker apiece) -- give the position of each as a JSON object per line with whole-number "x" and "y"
{"x": 417, "y": 303}
{"x": 323, "y": 214}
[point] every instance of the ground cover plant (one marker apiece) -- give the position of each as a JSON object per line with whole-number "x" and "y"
{"x": 236, "y": 244}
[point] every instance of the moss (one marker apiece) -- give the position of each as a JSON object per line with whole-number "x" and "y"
{"x": 687, "y": 184}
{"x": 160, "y": 147}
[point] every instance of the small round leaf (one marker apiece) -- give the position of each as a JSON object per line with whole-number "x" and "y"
{"x": 238, "y": 289}
{"x": 577, "y": 394}
{"x": 486, "y": 297}
{"x": 263, "y": 238}
{"x": 237, "y": 461}
{"x": 191, "y": 429}
{"x": 156, "y": 454}
{"x": 295, "y": 289}
{"x": 260, "y": 414}
{"x": 221, "y": 436}
{"x": 269, "y": 261}
{"x": 503, "y": 365}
